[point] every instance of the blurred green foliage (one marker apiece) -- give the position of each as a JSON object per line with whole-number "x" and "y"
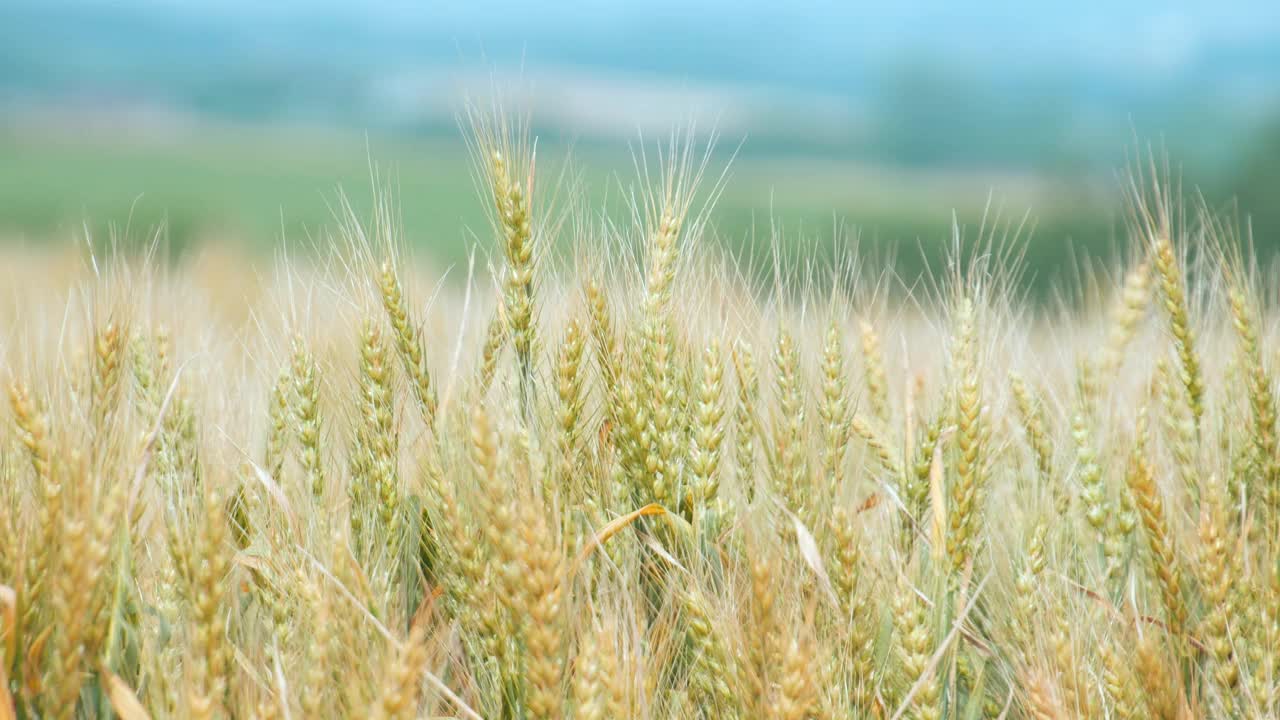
{"x": 259, "y": 188}
{"x": 1256, "y": 186}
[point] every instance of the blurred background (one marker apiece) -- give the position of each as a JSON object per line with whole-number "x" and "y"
{"x": 235, "y": 121}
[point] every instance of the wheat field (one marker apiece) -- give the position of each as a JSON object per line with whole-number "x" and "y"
{"x": 634, "y": 480}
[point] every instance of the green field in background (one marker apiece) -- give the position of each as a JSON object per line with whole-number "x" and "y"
{"x": 255, "y": 187}
{"x": 239, "y": 186}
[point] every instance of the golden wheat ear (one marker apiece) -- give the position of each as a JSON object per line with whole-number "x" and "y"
{"x": 647, "y": 482}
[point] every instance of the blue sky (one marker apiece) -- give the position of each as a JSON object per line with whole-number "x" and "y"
{"x": 1139, "y": 35}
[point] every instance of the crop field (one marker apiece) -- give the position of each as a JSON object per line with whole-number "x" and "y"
{"x": 610, "y": 466}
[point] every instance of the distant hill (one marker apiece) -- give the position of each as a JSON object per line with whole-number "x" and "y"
{"x": 917, "y": 84}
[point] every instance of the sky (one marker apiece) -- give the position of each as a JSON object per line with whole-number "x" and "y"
{"x": 1136, "y": 36}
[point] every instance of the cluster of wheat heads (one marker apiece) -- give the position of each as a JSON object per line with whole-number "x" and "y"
{"x": 629, "y": 484}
